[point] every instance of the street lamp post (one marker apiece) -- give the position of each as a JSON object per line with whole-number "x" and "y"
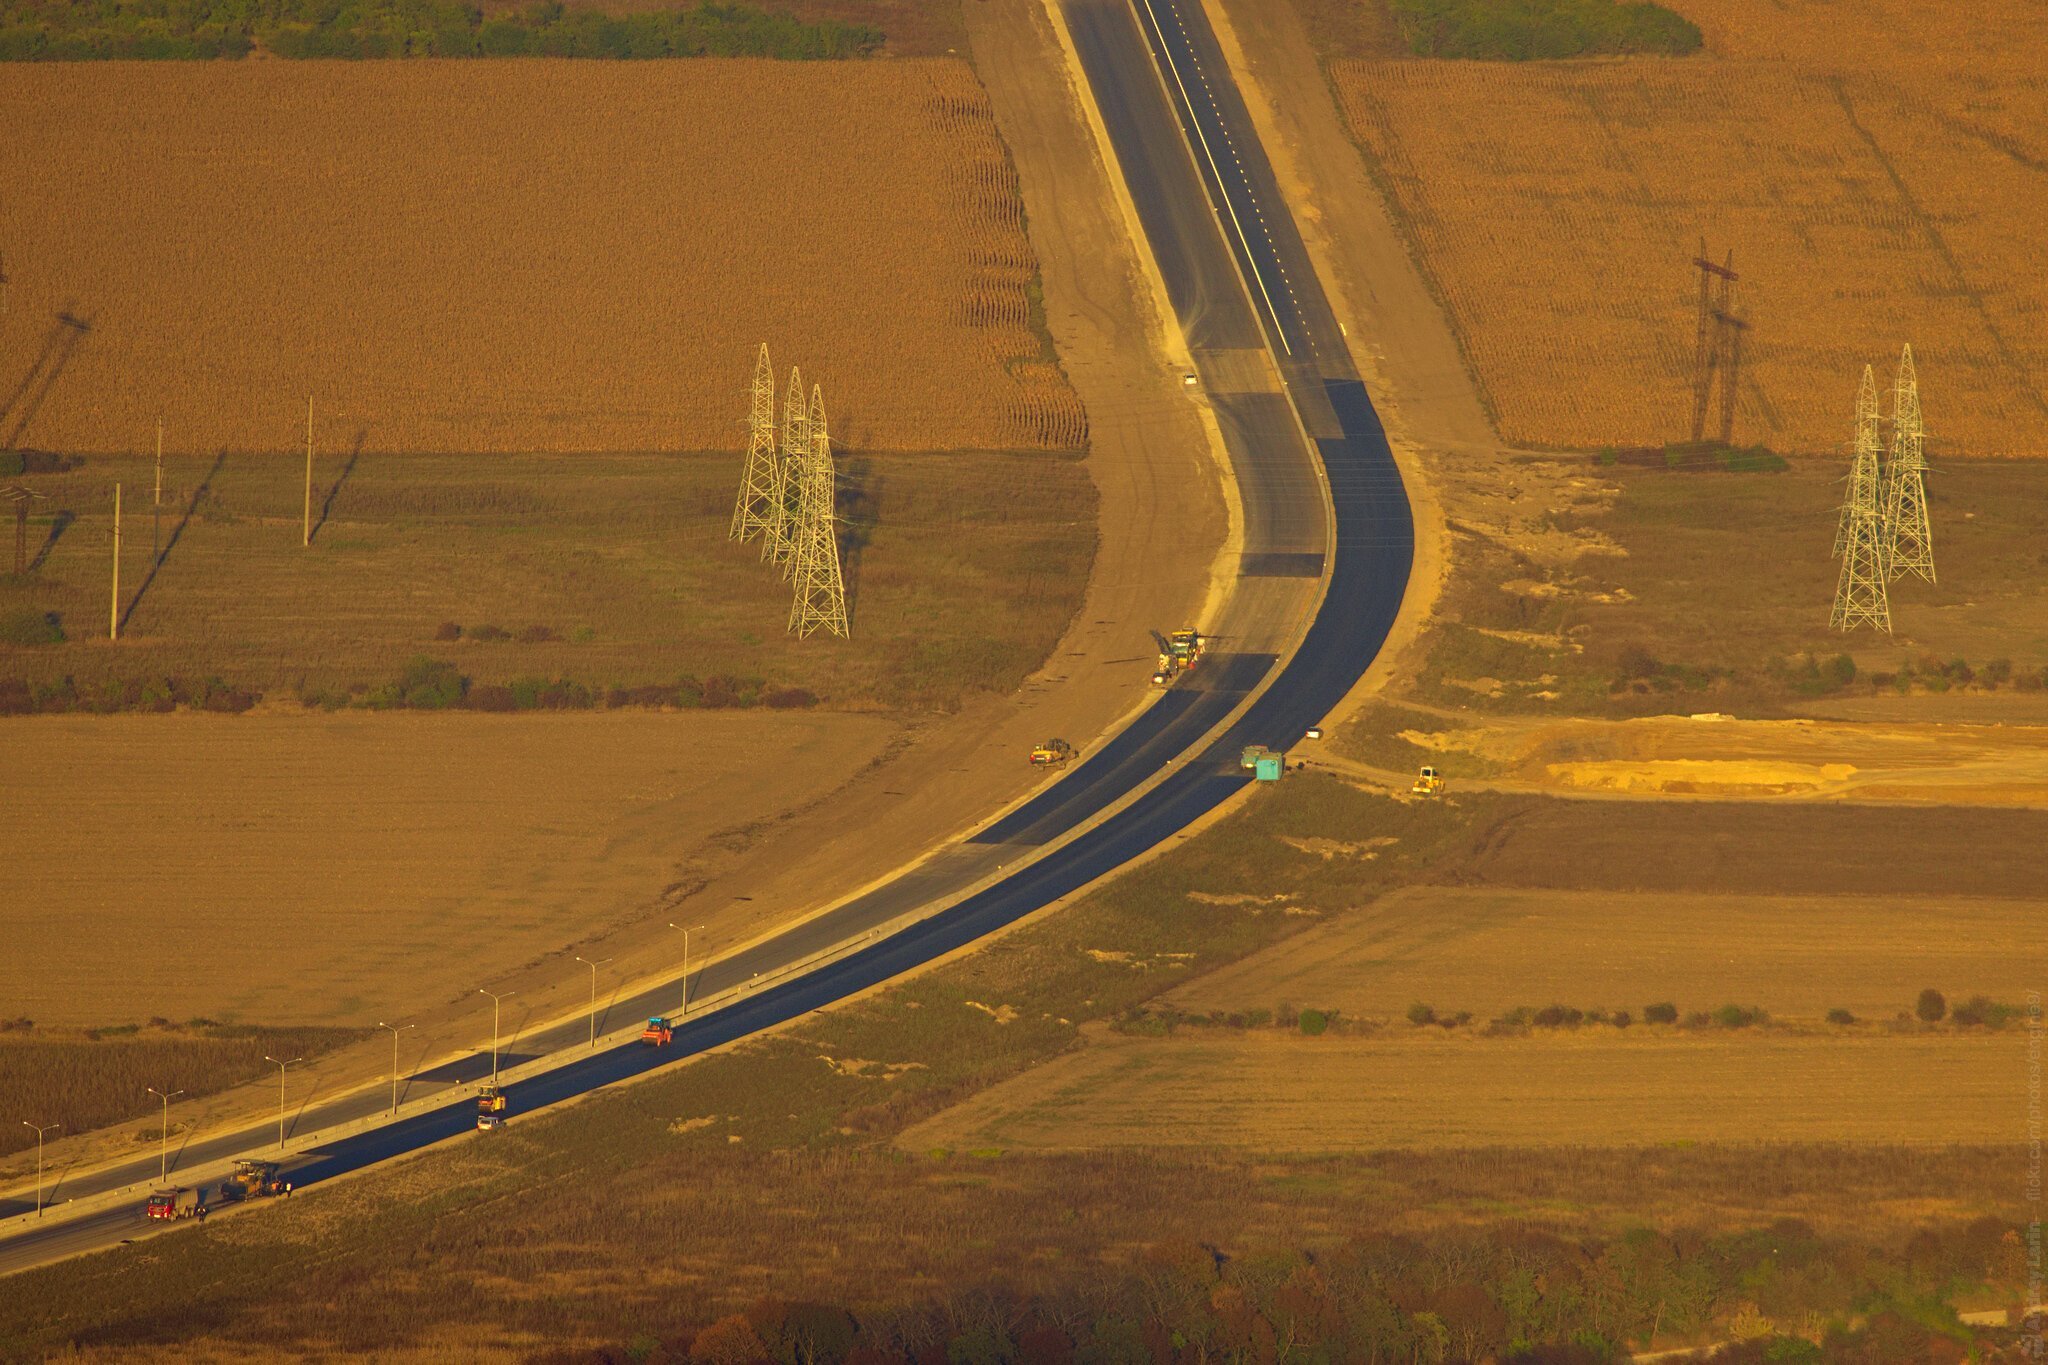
{"x": 40, "y": 1130}
{"x": 164, "y": 1133}
{"x": 685, "y": 931}
{"x": 280, "y": 1094}
{"x": 593, "y": 993}
{"x": 395, "y": 1031}
{"x": 496, "y": 1000}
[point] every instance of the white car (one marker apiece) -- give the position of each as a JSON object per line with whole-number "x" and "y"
{"x": 488, "y": 1123}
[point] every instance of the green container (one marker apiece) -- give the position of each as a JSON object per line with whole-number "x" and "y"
{"x": 1268, "y": 768}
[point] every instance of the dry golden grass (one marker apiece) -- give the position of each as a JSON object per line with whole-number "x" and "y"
{"x": 1275, "y": 1092}
{"x": 83, "y": 1083}
{"x": 310, "y": 869}
{"x": 1873, "y": 191}
{"x": 962, "y": 573}
{"x": 513, "y": 256}
{"x": 1490, "y": 949}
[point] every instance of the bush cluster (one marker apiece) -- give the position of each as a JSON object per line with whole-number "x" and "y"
{"x": 19, "y": 697}
{"x": 437, "y": 685}
{"x": 29, "y": 627}
{"x": 1519, "y": 1296}
{"x": 200, "y": 30}
{"x": 1526, "y": 30}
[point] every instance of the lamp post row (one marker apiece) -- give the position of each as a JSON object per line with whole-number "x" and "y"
{"x": 497, "y": 1000}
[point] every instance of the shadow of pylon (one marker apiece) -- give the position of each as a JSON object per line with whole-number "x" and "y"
{"x": 334, "y": 490}
{"x": 185, "y": 519}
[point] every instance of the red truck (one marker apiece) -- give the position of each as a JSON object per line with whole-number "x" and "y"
{"x": 251, "y": 1180}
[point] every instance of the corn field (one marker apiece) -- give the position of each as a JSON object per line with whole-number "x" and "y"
{"x": 543, "y": 256}
{"x": 1877, "y": 184}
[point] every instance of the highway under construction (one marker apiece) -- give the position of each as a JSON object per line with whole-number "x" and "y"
{"x": 1327, "y": 547}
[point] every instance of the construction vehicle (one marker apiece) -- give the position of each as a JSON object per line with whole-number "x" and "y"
{"x": 659, "y": 1032}
{"x": 1178, "y": 653}
{"x": 1052, "y": 753}
{"x": 1428, "y": 782}
{"x": 490, "y": 1100}
{"x": 171, "y": 1205}
{"x": 254, "y": 1180}
{"x": 250, "y": 1180}
{"x": 1265, "y": 765}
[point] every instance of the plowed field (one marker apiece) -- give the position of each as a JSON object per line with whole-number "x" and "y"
{"x": 1875, "y": 169}
{"x": 512, "y": 256}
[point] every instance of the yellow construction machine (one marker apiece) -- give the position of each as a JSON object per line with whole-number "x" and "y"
{"x": 1428, "y": 782}
{"x": 1052, "y": 753}
{"x": 1178, "y": 653}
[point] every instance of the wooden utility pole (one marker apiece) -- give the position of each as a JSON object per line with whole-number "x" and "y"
{"x": 156, "y": 516}
{"x": 306, "y": 534}
{"x": 114, "y": 611}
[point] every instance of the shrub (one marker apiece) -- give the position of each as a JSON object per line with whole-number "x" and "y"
{"x": 1314, "y": 1022}
{"x": 1257, "y": 1018}
{"x": 1981, "y": 1011}
{"x": 448, "y": 630}
{"x": 1699, "y": 1019}
{"x": 1285, "y": 1016}
{"x": 1621, "y": 1019}
{"x": 1932, "y": 1006}
{"x": 1997, "y": 673}
{"x": 1556, "y": 1016}
{"x": 1842, "y": 671}
{"x": 1420, "y": 1014}
{"x": 489, "y": 634}
{"x": 538, "y": 635}
{"x": 30, "y": 627}
{"x": 787, "y": 698}
{"x": 1840, "y": 1016}
{"x": 1738, "y": 1016}
{"x": 1458, "y": 1020}
{"x": 429, "y": 685}
{"x": 1663, "y": 1012}
{"x": 491, "y": 697}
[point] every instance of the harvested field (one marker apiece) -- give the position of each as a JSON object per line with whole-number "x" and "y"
{"x": 962, "y": 573}
{"x": 588, "y": 269}
{"x": 308, "y": 869}
{"x": 1322, "y": 1095}
{"x": 1873, "y": 191}
{"x": 1489, "y": 950}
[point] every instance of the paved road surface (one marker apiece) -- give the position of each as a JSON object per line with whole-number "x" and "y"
{"x": 1240, "y": 281}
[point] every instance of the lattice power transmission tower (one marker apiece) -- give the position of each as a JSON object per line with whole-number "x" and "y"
{"x": 1860, "y": 596}
{"x": 1719, "y": 347}
{"x": 820, "y": 601}
{"x": 789, "y": 475}
{"x": 1866, "y": 434}
{"x": 1908, "y": 542}
{"x": 754, "y": 513}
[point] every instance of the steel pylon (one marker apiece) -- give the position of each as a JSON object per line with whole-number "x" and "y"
{"x": 789, "y": 476}
{"x": 1860, "y": 596}
{"x": 820, "y": 598}
{"x": 1908, "y": 542}
{"x": 753, "y": 514}
{"x": 1866, "y": 434}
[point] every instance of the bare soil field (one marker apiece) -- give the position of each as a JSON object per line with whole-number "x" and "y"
{"x": 1282, "y": 1094}
{"x": 309, "y": 869}
{"x": 1992, "y": 753}
{"x": 1593, "y": 588}
{"x": 1488, "y": 950}
{"x": 588, "y": 268}
{"x": 1868, "y": 171}
{"x": 962, "y": 573}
